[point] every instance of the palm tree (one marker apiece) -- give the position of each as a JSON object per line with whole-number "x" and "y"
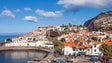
{"x": 58, "y": 45}
{"x": 107, "y": 51}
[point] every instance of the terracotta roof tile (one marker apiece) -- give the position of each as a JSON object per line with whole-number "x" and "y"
{"x": 71, "y": 44}
{"x": 96, "y": 43}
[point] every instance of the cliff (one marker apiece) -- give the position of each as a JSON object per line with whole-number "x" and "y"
{"x": 102, "y": 22}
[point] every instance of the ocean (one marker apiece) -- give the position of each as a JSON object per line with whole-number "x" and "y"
{"x": 20, "y": 56}
{"x": 3, "y": 37}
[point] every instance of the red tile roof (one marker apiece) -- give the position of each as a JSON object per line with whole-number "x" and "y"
{"x": 96, "y": 43}
{"x": 82, "y": 46}
{"x": 109, "y": 43}
{"x": 69, "y": 37}
{"x": 71, "y": 44}
{"x": 110, "y": 32}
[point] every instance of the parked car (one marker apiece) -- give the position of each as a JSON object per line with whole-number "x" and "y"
{"x": 101, "y": 59}
{"x": 94, "y": 58}
{"x": 60, "y": 60}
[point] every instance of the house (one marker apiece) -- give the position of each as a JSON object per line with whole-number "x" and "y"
{"x": 95, "y": 48}
{"x": 71, "y": 48}
{"x": 20, "y": 43}
{"x": 24, "y": 43}
{"x": 68, "y": 48}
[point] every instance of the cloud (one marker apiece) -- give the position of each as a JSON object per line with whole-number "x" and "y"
{"x": 7, "y": 13}
{"x": 31, "y": 18}
{"x": 48, "y": 14}
{"x": 77, "y": 4}
{"x": 17, "y": 10}
{"x": 27, "y": 9}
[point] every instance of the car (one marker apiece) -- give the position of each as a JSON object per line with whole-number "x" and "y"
{"x": 60, "y": 60}
{"x": 101, "y": 59}
{"x": 94, "y": 58}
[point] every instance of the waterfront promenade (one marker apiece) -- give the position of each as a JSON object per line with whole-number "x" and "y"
{"x": 25, "y": 48}
{"x": 3, "y": 48}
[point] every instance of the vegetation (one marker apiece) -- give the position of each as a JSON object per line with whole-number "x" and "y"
{"x": 8, "y": 40}
{"x": 101, "y": 28}
{"x": 107, "y": 37}
{"x": 88, "y": 41}
{"x": 62, "y": 39}
{"x": 76, "y": 41}
{"x": 70, "y": 25}
{"x": 58, "y": 45}
{"x": 94, "y": 38}
{"x": 80, "y": 25}
{"x": 107, "y": 51}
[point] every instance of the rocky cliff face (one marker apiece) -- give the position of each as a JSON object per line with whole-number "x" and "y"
{"x": 102, "y": 22}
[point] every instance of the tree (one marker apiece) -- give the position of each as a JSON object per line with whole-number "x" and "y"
{"x": 76, "y": 41}
{"x": 8, "y": 40}
{"x": 94, "y": 38}
{"x": 80, "y": 26}
{"x": 70, "y": 25}
{"x": 88, "y": 41}
{"x": 63, "y": 39}
{"x": 63, "y": 25}
{"x": 101, "y": 28}
{"x": 58, "y": 45}
{"x": 107, "y": 37}
{"x": 107, "y": 51}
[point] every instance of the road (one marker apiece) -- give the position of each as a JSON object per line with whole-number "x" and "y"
{"x": 83, "y": 59}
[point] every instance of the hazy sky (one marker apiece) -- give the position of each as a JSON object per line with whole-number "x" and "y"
{"x": 28, "y": 15}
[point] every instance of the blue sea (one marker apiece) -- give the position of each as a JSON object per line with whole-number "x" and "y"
{"x": 20, "y": 56}
{"x": 3, "y": 37}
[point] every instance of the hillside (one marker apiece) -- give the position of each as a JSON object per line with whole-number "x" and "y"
{"x": 102, "y": 22}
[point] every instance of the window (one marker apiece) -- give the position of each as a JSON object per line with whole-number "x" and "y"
{"x": 94, "y": 50}
{"x": 74, "y": 48}
{"x": 29, "y": 38}
{"x": 83, "y": 49}
{"x": 80, "y": 49}
{"x": 94, "y": 45}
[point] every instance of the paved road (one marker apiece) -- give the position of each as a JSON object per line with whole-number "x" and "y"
{"x": 82, "y": 60}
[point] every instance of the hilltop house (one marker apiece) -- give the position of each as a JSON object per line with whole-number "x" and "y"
{"x": 72, "y": 48}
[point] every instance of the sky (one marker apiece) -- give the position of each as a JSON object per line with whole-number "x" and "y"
{"x": 20, "y": 16}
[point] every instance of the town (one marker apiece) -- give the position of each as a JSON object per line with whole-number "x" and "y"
{"x": 66, "y": 40}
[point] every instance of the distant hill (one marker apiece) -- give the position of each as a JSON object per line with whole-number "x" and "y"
{"x": 102, "y": 22}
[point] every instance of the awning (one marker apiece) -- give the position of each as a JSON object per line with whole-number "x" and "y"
{"x": 81, "y": 53}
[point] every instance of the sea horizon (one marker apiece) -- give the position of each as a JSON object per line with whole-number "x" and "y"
{"x": 4, "y": 36}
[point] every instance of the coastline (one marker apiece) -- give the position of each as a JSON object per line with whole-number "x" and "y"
{"x": 24, "y": 49}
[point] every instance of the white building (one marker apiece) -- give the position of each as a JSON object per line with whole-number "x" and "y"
{"x": 95, "y": 48}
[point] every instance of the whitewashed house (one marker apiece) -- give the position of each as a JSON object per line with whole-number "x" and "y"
{"x": 95, "y": 48}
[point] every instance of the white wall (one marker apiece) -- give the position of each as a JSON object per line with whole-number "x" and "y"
{"x": 68, "y": 50}
{"x": 96, "y": 48}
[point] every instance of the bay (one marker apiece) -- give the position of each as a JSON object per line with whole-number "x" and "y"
{"x": 20, "y": 56}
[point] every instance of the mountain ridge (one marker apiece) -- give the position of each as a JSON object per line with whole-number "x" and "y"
{"x": 101, "y": 22}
